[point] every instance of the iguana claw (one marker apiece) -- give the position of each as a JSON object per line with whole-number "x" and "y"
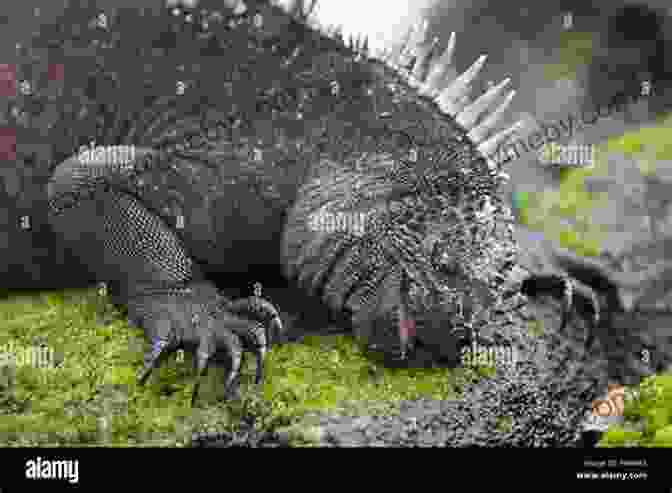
{"x": 538, "y": 284}
{"x": 210, "y": 331}
{"x": 257, "y": 308}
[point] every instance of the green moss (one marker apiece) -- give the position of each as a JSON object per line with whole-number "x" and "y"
{"x": 92, "y": 397}
{"x": 532, "y": 212}
{"x": 505, "y": 424}
{"x": 550, "y": 212}
{"x": 329, "y": 373}
{"x": 66, "y": 404}
{"x": 576, "y": 50}
{"x": 582, "y": 244}
{"x": 651, "y": 407}
{"x": 663, "y": 437}
{"x": 652, "y": 140}
{"x": 302, "y": 434}
{"x": 536, "y": 328}
{"x": 619, "y": 437}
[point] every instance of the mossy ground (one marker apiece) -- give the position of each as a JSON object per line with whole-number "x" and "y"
{"x": 88, "y": 395}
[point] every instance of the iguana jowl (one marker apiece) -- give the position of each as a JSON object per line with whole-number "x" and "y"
{"x": 258, "y": 137}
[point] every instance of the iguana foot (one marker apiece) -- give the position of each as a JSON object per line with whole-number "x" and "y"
{"x": 262, "y": 310}
{"x": 132, "y": 249}
{"x": 570, "y": 290}
{"x": 194, "y": 323}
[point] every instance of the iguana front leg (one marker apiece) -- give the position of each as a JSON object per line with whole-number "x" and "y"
{"x": 123, "y": 242}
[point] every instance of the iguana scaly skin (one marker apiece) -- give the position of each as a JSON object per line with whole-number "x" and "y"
{"x": 247, "y": 121}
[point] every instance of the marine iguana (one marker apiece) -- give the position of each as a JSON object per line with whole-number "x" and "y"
{"x": 244, "y": 122}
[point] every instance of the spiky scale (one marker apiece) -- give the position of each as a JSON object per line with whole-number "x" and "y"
{"x": 452, "y": 99}
{"x": 479, "y": 133}
{"x": 468, "y": 117}
{"x": 437, "y": 77}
